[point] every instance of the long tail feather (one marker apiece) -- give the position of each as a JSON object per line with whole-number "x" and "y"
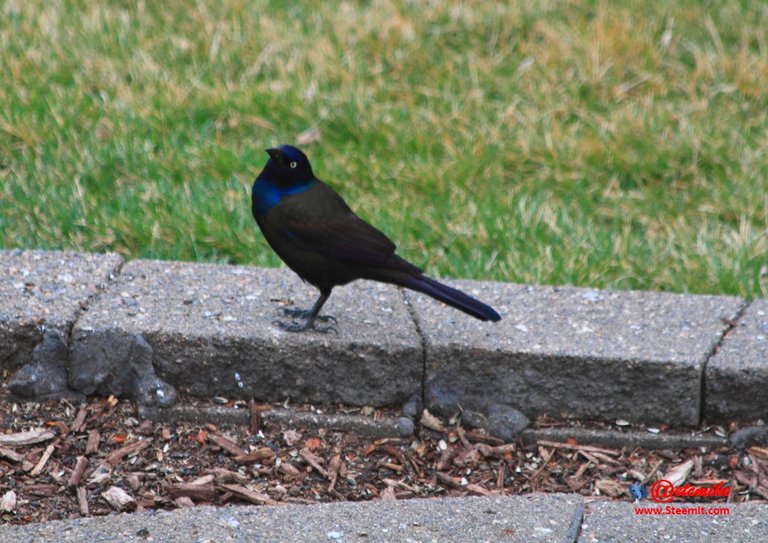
{"x": 450, "y": 296}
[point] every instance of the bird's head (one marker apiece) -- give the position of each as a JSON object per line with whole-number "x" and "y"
{"x": 288, "y": 166}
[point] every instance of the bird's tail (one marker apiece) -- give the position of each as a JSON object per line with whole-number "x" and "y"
{"x": 451, "y": 296}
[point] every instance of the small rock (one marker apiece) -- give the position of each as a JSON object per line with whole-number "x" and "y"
{"x": 747, "y": 437}
{"x": 413, "y": 407}
{"x": 473, "y": 419}
{"x": 443, "y": 401}
{"x": 220, "y": 400}
{"x": 405, "y": 427}
{"x": 505, "y": 422}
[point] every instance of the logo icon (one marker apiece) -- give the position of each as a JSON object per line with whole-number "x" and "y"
{"x": 637, "y": 492}
{"x": 663, "y": 491}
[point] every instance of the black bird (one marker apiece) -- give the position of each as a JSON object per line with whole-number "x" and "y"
{"x": 319, "y": 237}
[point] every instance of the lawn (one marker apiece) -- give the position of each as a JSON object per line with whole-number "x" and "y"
{"x": 604, "y": 144}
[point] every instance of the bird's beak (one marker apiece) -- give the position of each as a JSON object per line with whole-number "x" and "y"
{"x": 276, "y": 155}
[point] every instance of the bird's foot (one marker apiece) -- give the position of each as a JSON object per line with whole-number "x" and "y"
{"x": 305, "y": 314}
{"x": 295, "y": 326}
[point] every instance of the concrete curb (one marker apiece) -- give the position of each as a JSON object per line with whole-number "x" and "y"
{"x": 149, "y": 328}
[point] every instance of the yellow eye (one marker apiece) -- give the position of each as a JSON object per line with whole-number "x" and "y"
{"x": 293, "y": 164}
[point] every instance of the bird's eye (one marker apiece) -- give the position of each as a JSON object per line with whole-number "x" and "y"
{"x": 293, "y": 164}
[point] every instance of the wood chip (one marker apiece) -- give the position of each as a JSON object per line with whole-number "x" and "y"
{"x": 679, "y": 473}
{"x": 92, "y": 446}
{"x": 8, "y": 502}
{"x": 43, "y": 490}
{"x": 82, "y": 501}
{"x": 313, "y": 461}
{"x": 134, "y": 481}
{"x": 115, "y": 457}
{"x": 333, "y": 471}
{"x": 447, "y": 480}
{"x": 77, "y": 473}
{"x": 576, "y": 447}
{"x": 119, "y": 499}
{"x": 288, "y": 469}
{"x": 498, "y": 451}
{"x": 226, "y": 476}
{"x": 21, "y": 439}
{"x": 244, "y": 493}
{"x": 77, "y": 424}
{"x": 11, "y": 455}
{"x": 388, "y": 494}
{"x": 38, "y": 469}
{"x": 61, "y": 426}
{"x": 184, "y": 501}
{"x": 205, "y": 492}
{"x": 430, "y": 421}
{"x": 101, "y": 474}
{"x": 478, "y": 490}
{"x": 610, "y": 487}
{"x": 257, "y": 455}
{"x": 227, "y": 444}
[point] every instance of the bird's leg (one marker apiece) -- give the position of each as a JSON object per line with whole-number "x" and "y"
{"x": 309, "y": 316}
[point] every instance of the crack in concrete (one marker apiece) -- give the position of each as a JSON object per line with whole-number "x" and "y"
{"x": 422, "y": 342}
{"x": 100, "y": 290}
{"x": 731, "y": 324}
{"x": 580, "y": 523}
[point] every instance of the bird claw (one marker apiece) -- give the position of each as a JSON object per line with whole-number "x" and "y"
{"x": 296, "y": 312}
{"x": 294, "y": 326}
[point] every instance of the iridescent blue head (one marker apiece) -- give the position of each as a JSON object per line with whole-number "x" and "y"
{"x": 288, "y": 166}
{"x": 286, "y": 173}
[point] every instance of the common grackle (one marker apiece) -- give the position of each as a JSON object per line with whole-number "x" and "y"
{"x": 319, "y": 237}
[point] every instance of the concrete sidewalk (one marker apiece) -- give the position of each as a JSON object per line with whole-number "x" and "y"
{"x": 91, "y": 323}
{"x": 551, "y": 518}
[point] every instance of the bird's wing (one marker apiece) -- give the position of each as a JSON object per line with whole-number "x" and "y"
{"x": 349, "y": 239}
{"x": 319, "y": 220}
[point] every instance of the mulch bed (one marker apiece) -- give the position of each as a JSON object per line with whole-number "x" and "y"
{"x": 62, "y": 460}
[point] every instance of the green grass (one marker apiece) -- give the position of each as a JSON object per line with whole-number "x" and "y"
{"x": 608, "y": 144}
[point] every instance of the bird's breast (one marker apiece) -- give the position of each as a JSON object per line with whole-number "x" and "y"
{"x": 265, "y": 194}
